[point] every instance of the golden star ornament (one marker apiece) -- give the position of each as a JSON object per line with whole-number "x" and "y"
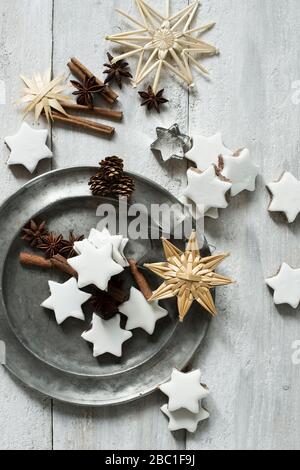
{"x": 43, "y": 94}
{"x": 188, "y": 276}
{"x": 164, "y": 41}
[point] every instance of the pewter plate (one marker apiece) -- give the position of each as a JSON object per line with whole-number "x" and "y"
{"x": 54, "y": 360}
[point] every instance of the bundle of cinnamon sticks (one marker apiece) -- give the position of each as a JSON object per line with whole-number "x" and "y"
{"x": 82, "y": 73}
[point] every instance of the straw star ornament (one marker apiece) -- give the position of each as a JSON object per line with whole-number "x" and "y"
{"x": 188, "y": 276}
{"x": 43, "y": 94}
{"x": 164, "y": 41}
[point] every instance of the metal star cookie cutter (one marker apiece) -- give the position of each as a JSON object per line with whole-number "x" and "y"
{"x": 171, "y": 143}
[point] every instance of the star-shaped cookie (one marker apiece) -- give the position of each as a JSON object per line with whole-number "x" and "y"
{"x": 99, "y": 239}
{"x": 141, "y": 313}
{"x": 195, "y": 212}
{"x": 118, "y": 242}
{"x": 207, "y": 189}
{"x": 286, "y": 196}
{"x": 206, "y": 150}
{"x": 183, "y": 419}
{"x": 171, "y": 143}
{"x": 184, "y": 391}
{"x": 107, "y": 336}
{"x": 66, "y": 300}
{"x": 240, "y": 170}
{"x": 95, "y": 266}
{"x": 28, "y": 147}
{"x": 286, "y": 286}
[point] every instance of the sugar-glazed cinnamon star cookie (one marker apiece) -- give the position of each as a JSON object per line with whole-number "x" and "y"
{"x": 141, "y": 313}
{"x": 206, "y": 150}
{"x": 195, "y": 212}
{"x": 183, "y": 419}
{"x": 118, "y": 242}
{"x": 286, "y": 286}
{"x": 107, "y": 336}
{"x": 286, "y": 196}
{"x": 240, "y": 170}
{"x": 95, "y": 266}
{"x": 184, "y": 391}
{"x": 207, "y": 188}
{"x": 99, "y": 239}
{"x": 66, "y": 300}
{"x": 28, "y": 147}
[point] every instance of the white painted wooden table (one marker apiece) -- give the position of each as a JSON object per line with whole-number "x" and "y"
{"x": 246, "y": 357}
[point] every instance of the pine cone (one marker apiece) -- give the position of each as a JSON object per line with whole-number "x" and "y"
{"x": 124, "y": 188}
{"x": 112, "y": 168}
{"x": 99, "y": 186}
{"x": 110, "y": 181}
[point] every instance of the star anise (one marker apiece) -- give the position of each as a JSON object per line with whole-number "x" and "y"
{"x": 33, "y": 232}
{"x": 153, "y": 100}
{"x": 86, "y": 91}
{"x": 50, "y": 244}
{"x": 67, "y": 246}
{"x": 117, "y": 71}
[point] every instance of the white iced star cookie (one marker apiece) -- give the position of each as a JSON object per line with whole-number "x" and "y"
{"x": 119, "y": 243}
{"x": 286, "y": 286}
{"x": 212, "y": 213}
{"x": 28, "y": 147}
{"x": 195, "y": 212}
{"x": 184, "y": 391}
{"x": 106, "y": 336}
{"x": 66, "y": 300}
{"x": 286, "y": 196}
{"x": 183, "y": 419}
{"x": 141, "y": 313}
{"x": 99, "y": 239}
{"x": 206, "y": 150}
{"x": 240, "y": 170}
{"x": 95, "y": 266}
{"x": 207, "y": 188}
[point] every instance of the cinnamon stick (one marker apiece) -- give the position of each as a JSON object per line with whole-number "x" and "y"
{"x": 84, "y": 124}
{"x": 103, "y": 112}
{"x": 61, "y": 263}
{"x": 58, "y": 262}
{"x": 140, "y": 280}
{"x": 29, "y": 259}
{"x": 81, "y": 72}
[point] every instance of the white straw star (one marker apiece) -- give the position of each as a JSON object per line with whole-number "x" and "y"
{"x": 163, "y": 40}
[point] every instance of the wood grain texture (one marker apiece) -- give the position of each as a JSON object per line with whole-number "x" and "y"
{"x": 25, "y": 417}
{"x": 246, "y": 357}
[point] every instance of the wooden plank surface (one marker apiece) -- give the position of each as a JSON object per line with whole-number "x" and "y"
{"x": 25, "y": 39}
{"x": 246, "y": 357}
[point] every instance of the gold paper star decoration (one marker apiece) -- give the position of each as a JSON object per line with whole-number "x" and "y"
{"x": 164, "y": 41}
{"x": 188, "y": 276}
{"x": 41, "y": 94}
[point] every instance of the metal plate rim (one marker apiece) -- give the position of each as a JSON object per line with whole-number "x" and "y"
{"x": 88, "y": 402}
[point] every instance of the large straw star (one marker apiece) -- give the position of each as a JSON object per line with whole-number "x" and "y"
{"x": 164, "y": 41}
{"x": 188, "y": 276}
